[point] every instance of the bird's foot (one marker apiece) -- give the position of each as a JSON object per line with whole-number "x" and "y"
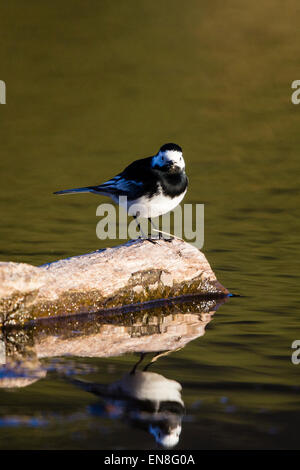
{"x": 152, "y": 240}
{"x": 166, "y": 239}
{"x": 149, "y": 239}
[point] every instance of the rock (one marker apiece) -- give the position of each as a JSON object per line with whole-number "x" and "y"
{"x": 138, "y": 271}
{"x": 19, "y": 288}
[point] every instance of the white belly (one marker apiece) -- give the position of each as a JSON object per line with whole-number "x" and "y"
{"x": 154, "y": 207}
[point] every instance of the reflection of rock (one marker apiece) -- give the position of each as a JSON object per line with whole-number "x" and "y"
{"x": 146, "y": 400}
{"x": 18, "y": 375}
{"x": 170, "y": 332}
{"x": 2, "y": 351}
{"x": 165, "y": 328}
{"x": 19, "y": 364}
{"x": 137, "y": 271}
{"x": 146, "y": 331}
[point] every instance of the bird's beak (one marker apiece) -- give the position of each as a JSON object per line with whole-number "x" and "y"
{"x": 172, "y": 167}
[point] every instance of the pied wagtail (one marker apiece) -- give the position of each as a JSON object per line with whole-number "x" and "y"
{"x": 152, "y": 186}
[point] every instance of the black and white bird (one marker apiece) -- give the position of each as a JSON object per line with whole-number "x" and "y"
{"x": 152, "y": 186}
{"x": 145, "y": 400}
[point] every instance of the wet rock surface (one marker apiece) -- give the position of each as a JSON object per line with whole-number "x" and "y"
{"x": 138, "y": 271}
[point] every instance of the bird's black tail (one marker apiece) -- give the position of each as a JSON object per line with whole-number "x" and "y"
{"x": 75, "y": 190}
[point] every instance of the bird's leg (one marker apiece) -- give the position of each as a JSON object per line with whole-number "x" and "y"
{"x": 160, "y": 234}
{"x": 142, "y": 356}
{"x": 154, "y": 358}
{"x": 155, "y": 228}
{"x": 138, "y": 225}
{"x": 160, "y": 354}
{"x": 140, "y": 230}
{"x": 169, "y": 239}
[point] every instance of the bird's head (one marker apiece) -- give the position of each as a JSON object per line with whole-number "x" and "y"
{"x": 167, "y": 438}
{"x": 169, "y": 159}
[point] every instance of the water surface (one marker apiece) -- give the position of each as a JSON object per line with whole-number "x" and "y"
{"x": 92, "y": 87}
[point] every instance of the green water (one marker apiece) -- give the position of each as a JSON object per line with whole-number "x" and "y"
{"x": 90, "y": 87}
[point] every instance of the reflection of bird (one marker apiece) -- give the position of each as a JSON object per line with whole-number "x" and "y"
{"x": 152, "y": 186}
{"x": 146, "y": 400}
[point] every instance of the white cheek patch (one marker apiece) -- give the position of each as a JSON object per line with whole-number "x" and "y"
{"x": 175, "y": 157}
{"x": 169, "y": 156}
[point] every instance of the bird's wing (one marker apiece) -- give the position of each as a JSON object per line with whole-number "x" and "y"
{"x": 120, "y": 186}
{"x": 131, "y": 182}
